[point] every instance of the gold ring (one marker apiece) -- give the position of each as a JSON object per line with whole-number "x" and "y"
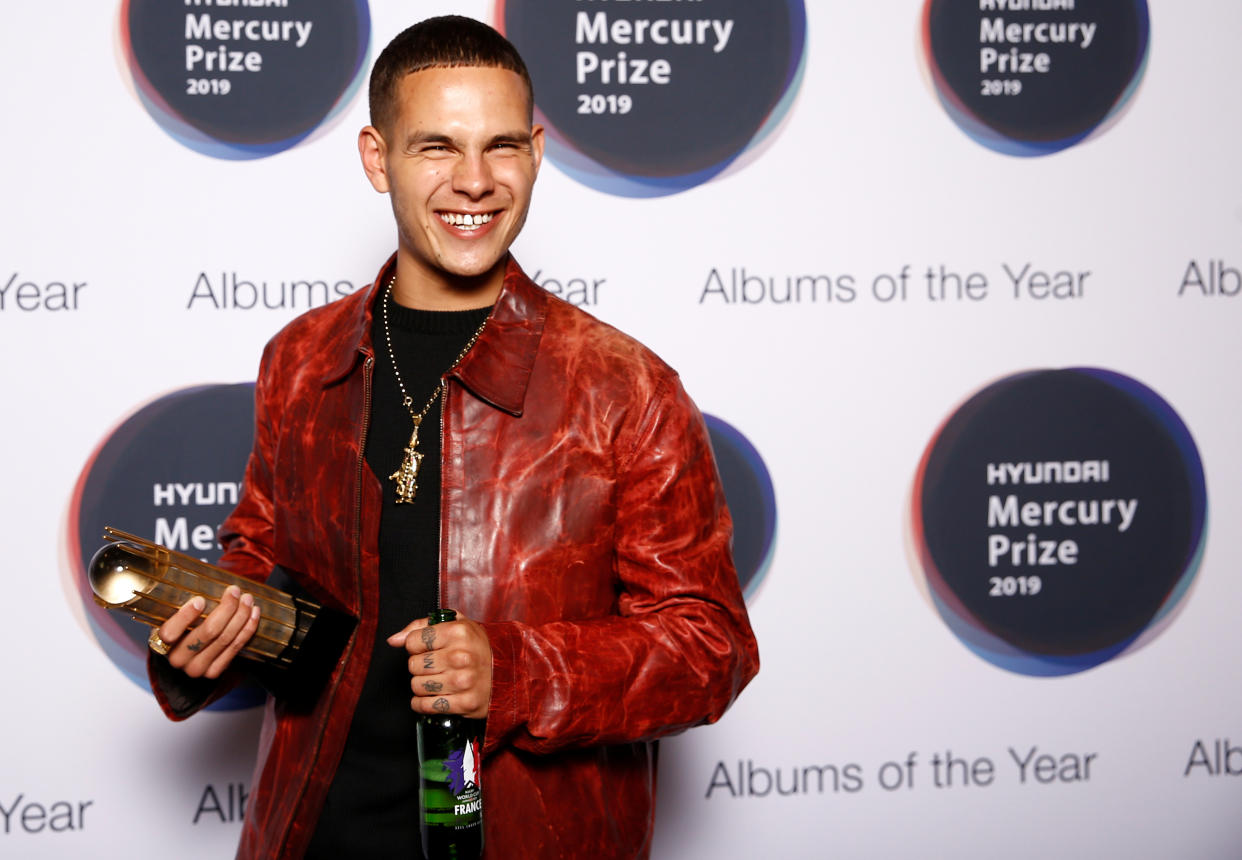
{"x": 158, "y": 645}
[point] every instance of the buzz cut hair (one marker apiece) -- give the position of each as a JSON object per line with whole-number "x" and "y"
{"x": 445, "y": 42}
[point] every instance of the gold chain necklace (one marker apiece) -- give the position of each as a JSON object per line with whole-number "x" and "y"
{"x": 406, "y": 477}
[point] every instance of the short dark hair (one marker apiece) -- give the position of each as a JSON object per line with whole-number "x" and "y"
{"x": 448, "y": 41}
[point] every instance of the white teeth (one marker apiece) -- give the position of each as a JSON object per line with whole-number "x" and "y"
{"x": 458, "y": 219}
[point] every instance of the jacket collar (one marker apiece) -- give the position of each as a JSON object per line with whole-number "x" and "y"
{"x": 498, "y": 367}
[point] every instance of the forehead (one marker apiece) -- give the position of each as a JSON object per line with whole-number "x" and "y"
{"x": 469, "y": 96}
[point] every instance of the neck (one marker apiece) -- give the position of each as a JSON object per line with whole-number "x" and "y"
{"x": 418, "y": 289}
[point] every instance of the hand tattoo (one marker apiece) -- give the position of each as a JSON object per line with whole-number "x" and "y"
{"x": 433, "y": 686}
{"x": 195, "y": 646}
{"x": 429, "y": 636}
{"x": 441, "y": 705}
{"x": 427, "y": 661}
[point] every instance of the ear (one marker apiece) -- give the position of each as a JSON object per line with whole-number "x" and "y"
{"x": 536, "y": 145}
{"x": 373, "y": 151}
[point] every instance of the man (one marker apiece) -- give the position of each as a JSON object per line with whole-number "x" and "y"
{"x": 558, "y": 491}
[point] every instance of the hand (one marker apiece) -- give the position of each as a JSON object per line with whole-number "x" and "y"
{"x": 450, "y": 665}
{"x": 207, "y": 649}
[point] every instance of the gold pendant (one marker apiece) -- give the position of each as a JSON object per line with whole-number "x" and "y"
{"x": 407, "y": 476}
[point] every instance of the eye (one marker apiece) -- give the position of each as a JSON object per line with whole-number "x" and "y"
{"x": 434, "y": 149}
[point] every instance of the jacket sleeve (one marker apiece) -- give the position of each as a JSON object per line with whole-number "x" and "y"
{"x": 246, "y": 536}
{"x": 680, "y": 648}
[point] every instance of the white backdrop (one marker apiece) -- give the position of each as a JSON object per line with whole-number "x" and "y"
{"x": 867, "y": 175}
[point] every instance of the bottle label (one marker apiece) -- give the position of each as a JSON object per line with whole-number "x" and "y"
{"x": 453, "y": 795}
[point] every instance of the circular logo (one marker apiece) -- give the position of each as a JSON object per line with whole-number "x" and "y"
{"x": 1035, "y": 76}
{"x": 752, "y": 502}
{"x": 648, "y": 99}
{"x": 244, "y": 80}
{"x": 1059, "y": 517}
{"x": 169, "y": 473}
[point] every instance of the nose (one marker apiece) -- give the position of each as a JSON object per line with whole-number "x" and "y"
{"x": 472, "y": 175}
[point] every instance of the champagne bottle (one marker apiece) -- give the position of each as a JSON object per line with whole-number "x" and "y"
{"x": 450, "y": 798}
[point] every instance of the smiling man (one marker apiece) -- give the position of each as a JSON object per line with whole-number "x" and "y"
{"x": 455, "y": 436}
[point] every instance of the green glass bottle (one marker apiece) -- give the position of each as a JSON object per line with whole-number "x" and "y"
{"x": 450, "y": 796}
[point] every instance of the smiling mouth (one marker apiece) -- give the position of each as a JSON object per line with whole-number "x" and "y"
{"x": 466, "y": 221}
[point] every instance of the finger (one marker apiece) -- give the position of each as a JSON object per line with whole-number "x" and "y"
{"x": 424, "y": 664}
{"x": 469, "y": 680}
{"x": 212, "y": 648}
{"x": 428, "y": 638}
{"x": 447, "y": 656}
{"x": 201, "y": 636}
{"x": 175, "y": 626}
{"x": 234, "y": 647}
{"x": 453, "y": 671}
{"x": 397, "y": 640}
{"x": 433, "y": 686}
{"x": 470, "y": 704}
{"x": 432, "y": 706}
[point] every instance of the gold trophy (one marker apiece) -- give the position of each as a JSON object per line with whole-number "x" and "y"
{"x": 150, "y": 582}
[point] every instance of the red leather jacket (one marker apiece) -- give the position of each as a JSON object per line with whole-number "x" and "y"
{"x": 583, "y": 524}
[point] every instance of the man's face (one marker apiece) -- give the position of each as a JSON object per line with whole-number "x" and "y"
{"x": 459, "y": 162}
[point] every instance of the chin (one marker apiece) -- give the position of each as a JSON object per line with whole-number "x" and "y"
{"x": 473, "y": 269}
